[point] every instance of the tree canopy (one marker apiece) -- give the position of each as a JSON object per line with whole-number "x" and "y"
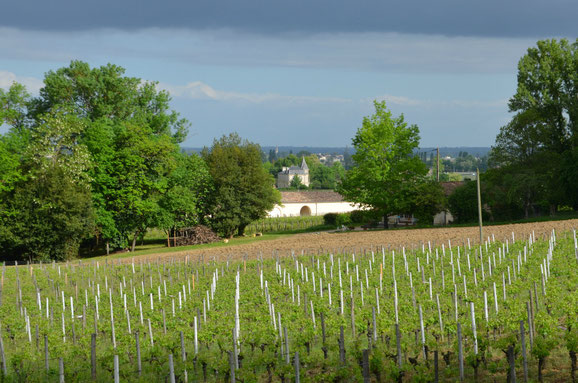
{"x": 386, "y": 173}
{"x": 538, "y": 147}
{"x": 98, "y": 134}
{"x": 243, "y": 190}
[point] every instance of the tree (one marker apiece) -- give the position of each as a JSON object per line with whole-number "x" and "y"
{"x": 185, "y": 201}
{"x": 425, "y": 201}
{"x": 244, "y": 191}
{"x": 49, "y": 213}
{"x": 131, "y": 135}
{"x": 386, "y": 169}
{"x": 13, "y": 113}
{"x": 539, "y": 145}
{"x": 548, "y": 87}
{"x": 296, "y": 183}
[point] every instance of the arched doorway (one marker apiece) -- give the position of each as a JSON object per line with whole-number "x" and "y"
{"x": 305, "y": 211}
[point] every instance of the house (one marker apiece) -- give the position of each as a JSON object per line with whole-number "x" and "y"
{"x": 286, "y": 175}
{"x": 310, "y": 202}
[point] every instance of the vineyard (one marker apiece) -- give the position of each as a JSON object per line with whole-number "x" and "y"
{"x": 276, "y": 224}
{"x": 506, "y": 309}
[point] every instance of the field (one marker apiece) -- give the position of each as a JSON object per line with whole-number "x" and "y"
{"x": 367, "y": 240}
{"x": 398, "y": 305}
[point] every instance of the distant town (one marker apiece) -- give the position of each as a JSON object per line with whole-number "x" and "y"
{"x": 455, "y": 163}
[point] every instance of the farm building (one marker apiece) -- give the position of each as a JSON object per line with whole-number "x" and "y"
{"x": 310, "y": 202}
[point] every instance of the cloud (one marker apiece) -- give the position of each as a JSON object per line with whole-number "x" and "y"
{"x": 465, "y": 104}
{"x": 32, "y": 84}
{"x": 198, "y": 90}
{"x": 513, "y": 18}
{"x": 375, "y": 52}
{"x": 398, "y": 100}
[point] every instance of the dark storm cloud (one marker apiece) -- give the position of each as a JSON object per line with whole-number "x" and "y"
{"x": 500, "y": 18}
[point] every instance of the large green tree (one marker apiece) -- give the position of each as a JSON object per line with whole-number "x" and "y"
{"x": 48, "y": 213}
{"x": 386, "y": 171}
{"x": 244, "y": 190}
{"x": 538, "y": 146}
{"x": 185, "y": 202}
{"x": 132, "y": 138}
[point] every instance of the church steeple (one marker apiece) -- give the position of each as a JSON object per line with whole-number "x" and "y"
{"x": 304, "y": 165}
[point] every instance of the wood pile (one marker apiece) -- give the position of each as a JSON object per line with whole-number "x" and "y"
{"x": 195, "y": 235}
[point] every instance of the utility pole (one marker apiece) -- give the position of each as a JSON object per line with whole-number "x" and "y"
{"x": 438, "y": 166}
{"x": 479, "y": 205}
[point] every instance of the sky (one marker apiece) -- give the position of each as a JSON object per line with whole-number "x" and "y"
{"x": 299, "y": 73}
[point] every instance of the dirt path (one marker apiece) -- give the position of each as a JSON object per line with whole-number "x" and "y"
{"x": 357, "y": 240}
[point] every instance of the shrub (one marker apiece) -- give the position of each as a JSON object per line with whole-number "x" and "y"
{"x": 359, "y": 216}
{"x": 343, "y": 220}
{"x": 330, "y": 219}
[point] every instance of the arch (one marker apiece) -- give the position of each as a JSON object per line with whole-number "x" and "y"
{"x": 305, "y": 211}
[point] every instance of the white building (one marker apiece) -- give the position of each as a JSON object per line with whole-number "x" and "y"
{"x": 286, "y": 175}
{"x": 310, "y": 202}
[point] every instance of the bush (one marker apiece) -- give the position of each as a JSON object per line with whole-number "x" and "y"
{"x": 343, "y": 220}
{"x": 359, "y": 216}
{"x": 330, "y": 219}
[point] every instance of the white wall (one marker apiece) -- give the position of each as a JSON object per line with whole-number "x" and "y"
{"x": 443, "y": 218}
{"x": 319, "y": 208}
{"x": 284, "y": 180}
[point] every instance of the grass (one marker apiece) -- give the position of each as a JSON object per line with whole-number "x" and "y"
{"x": 155, "y": 244}
{"x": 160, "y": 248}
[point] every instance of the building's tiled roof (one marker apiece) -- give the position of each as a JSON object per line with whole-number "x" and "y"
{"x": 310, "y": 196}
{"x": 450, "y": 186}
{"x": 295, "y": 170}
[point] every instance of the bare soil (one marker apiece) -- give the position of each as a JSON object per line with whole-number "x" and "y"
{"x": 374, "y": 240}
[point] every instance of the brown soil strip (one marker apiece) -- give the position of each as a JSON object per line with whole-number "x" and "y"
{"x": 366, "y": 240}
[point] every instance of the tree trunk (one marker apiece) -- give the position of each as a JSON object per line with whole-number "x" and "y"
{"x": 526, "y": 210}
{"x": 107, "y": 248}
{"x": 552, "y": 210}
{"x": 512, "y": 363}
{"x": 385, "y": 221}
{"x": 540, "y": 368}
{"x": 573, "y": 366}
{"x": 133, "y": 245}
{"x": 168, "y": 238}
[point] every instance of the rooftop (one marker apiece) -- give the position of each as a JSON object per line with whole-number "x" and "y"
{"x": 310, "y": 196}
{"x": 450, "y": 186}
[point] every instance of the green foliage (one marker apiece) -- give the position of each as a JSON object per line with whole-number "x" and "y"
{"x": 14, "y": 107}
{"x": 386, "y": 168}
{"x": 322, "y": 176}
{"x": 463, "y": 202}
{"x": 114, "y": 137}
{"x": 330, "y": 219}
{"x": 185, "y": 201}
{"x": 296, "y": 183}
{"x": 316, "y": 277}
{"x": 51, "y": 216}
{"x": 132, "y": 137}
{"x": 536, "y": 149}
{"x": 425, "y": 201}
{"x": 343, "y": 219}
{"x": 244, "y": 191}
{"x": 358, "y": 216}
